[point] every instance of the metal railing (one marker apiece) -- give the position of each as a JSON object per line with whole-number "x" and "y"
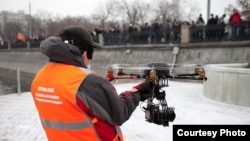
{"x": 218, "y": 33}
{"x": 197, "y": 34}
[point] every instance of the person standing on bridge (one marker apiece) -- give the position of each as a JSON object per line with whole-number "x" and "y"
{"x": 74, "y": 103}
{"x": 235, "y": 22}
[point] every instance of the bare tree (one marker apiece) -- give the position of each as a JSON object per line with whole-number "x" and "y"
{"x": 144, "y": 10}
{"x": 130, "y": 10}
{"x": 176, "y": 9}
{"x": 228, "y": 10}
{"x": 103, "y": 13}
{"x": 54, "y": 27}
{"x": 10, "y": 31}
{"x": 168, "y": 10}
{"x": 164, "y": 10}
{"x": 245, "y": 8}
{"x": 136, "y": 12}
{"x": 44, "y": 17}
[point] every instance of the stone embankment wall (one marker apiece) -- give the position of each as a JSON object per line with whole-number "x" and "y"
{"x": 228, "y": 83}
{"x": 31, "y": 60}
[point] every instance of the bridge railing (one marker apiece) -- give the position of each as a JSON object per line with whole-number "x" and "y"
{"x": 182, "y": 34}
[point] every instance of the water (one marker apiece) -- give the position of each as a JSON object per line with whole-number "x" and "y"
{"x": 5, "y": 89}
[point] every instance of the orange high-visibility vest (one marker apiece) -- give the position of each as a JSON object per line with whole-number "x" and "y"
{"x": 54, "y": 91}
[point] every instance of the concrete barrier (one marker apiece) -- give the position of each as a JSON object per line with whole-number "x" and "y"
{"x": 30, "y": 61}
{"x": 228, "y": 83}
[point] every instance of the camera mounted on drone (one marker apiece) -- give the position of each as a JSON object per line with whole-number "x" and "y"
{"x": 158, "y": 113}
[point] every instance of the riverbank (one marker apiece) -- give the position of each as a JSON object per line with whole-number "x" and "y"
{"x": 5, "y": 89}
{"x": 8, "y": 81}
{"x": 30, "y": 61}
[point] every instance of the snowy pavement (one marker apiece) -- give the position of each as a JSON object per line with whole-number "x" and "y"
{"x": 19, "y": 120}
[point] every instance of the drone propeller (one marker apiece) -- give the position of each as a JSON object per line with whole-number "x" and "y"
{"x": 192, "y": 65}
{"x": 119, "y": 65}
{"x": 173, "y": 64}
{"x": 114, "y": 66}
{"x": 148, "y": 68}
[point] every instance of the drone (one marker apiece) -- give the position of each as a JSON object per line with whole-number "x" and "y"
{"x": 161, "y": 70}
{"x": 157, "y": 73}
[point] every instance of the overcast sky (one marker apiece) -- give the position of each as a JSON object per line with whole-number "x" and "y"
{"x": 88, "y": 7}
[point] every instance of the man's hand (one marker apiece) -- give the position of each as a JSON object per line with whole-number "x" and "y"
{"x": 145, "y": 89}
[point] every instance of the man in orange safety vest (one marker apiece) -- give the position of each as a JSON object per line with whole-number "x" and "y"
{"x": 73, "y": 103}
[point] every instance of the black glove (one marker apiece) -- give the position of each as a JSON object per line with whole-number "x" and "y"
{"x": 145, "y": 89}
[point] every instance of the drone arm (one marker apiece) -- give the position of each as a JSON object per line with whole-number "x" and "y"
{"x": 193, "y": 76}
{"x": 124, "y": 77}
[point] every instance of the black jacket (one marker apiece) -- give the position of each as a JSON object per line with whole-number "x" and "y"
{"x": 104, "y": 100}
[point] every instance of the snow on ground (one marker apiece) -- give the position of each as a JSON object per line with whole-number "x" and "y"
{"x": 19, "y": 119}
{"x": 191, "y": 107}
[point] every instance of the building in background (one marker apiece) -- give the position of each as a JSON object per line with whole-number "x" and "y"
{"x": 13, "y": 23}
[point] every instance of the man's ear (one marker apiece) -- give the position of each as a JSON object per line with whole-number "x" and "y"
{"x": 84, "y": 53}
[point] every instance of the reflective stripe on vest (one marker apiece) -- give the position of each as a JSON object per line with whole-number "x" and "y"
{"x": 119, "y": 136}
{"x": 68, "y": 126}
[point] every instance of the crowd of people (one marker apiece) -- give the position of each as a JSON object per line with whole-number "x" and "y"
{"x": 156, "y": 32}
{"x": 216, "y": 29}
